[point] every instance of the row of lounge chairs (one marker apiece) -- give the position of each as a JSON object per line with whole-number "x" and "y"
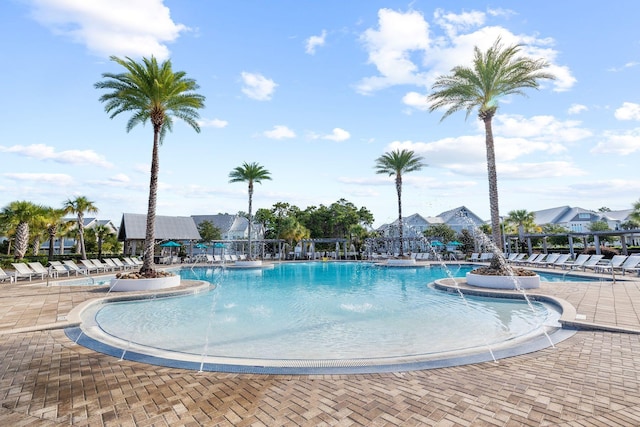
{"x": 36, "y": 270}
{"x": 597, "y": 263}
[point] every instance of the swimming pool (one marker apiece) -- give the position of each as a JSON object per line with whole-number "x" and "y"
{"x": 318, "y": 315}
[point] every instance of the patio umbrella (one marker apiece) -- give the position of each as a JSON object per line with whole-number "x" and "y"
{"x": 437, "y": 243}
{"x": 170, "y": 244}
{"x": 201, "y": 246}
{"x": 455, "y": 243}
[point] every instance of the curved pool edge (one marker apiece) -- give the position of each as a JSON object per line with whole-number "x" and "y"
{"x": 90, "y": 336}
{"x": 323, "y": 367}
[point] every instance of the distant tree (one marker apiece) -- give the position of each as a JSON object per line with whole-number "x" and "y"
{"x": 468, "y": 241}
{"x": 560, "y": 240}
{"x": 54, "y": 222}
{"x": 441, "y": 232}
{"x": 153, "y": 93}
{"x": 396, "y": 163}
{"x": 293, "y": 231}
{"x": 102, "y": 232}
{"x": 604, "y": 209}
{"x": 601, "y": 226}
{"x": 78, "y": 207}
{"x": 209, "y": 232}
{"x": 250, "y": 173}
{"x": 522, "y": 220}
{"x": 635, "y": 214}
{"x": 495, "y": 73}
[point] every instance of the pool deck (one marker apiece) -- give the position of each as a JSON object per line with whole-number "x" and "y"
{"x": 590, "y": 379}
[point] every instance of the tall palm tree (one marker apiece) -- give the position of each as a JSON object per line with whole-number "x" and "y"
{"x": 16, "y": 217}
{"x": 102, "y": 232}
{"x": 78, "y": 207}
{"x": 397, "y": 163}
{"x": 250, "y": 173}
{"x": 151, "y": 92}
{"x": 635, "y": 214}
{"x": 498, "y": 72}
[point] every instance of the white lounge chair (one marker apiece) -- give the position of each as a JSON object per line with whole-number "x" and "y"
{"x": 560, "y": 262}
{"x": 612, "y": 264}
{"x": 23, "y": 270}
{"x": 42, "y": 270}
{"x": 592, "y": 262}
{"x": 4, "y": 276}
{"x": 475, "y": 257}
{"x": 517, "y": 258}
{"x": 129, "y": 262}
{"x": 111, "y": 264}
{"x": 90, "y": 266}
{"x": 549, "y": 259}
{"x": 60, "y": 268}
{"x": 71, "y": 265}
{"x": 631, "y": 264}
{"x": 578, "y": 263}
{"x": 101, "y": 265}
{"x": 528, "y": 260}
{"x": 119, "y": 263}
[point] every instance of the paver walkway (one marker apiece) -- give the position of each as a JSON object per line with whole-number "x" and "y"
{"x": 592, "y": 378}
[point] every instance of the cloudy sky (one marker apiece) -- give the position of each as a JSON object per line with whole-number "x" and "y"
{"x": 315, "y": 92}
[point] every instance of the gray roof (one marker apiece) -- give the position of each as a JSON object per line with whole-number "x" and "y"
{"x": 134, "y": 226}
{"x": 224, "y": 222}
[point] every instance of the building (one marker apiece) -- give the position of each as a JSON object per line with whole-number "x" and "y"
{"x": 232, "y": 227}
{"x": 133, "y": 229}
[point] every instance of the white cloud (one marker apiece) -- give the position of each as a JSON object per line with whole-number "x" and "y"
{"x": 542, "y": 128}
{"x": 338, "y": 135}
{"x": 112, "y": 27}
{"x": 214, "y": 123}
{"x": 122, "y": 178}
{"x": 257, "y": 86}
{"x": 628, "y": 111}
{"x": 279, "y": 132}
{"x": 416, "y": 100}
{"x": 390, "y": 46}
{"x": 624, "y": 67}
{"x": 315, "y": 41}
{"x": 49, "y": 178}
{"x": 619, "y": 143}
{"x": 577, "y": 109}
{"x": 46, "y": 152}
{"x": 402, "y": 36}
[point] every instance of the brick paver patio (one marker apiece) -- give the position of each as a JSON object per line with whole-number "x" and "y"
{"x": 591, "y": 379}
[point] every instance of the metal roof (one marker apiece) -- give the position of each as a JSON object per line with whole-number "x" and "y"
{"x": 134, "y": 226}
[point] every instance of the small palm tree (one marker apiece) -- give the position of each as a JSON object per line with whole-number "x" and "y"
{"x": 250, "y": 173}
{"x": 102, "y": 232}
{"x": 78, "y": 207}
{"x": 635, "y": 214}
{"x": 496, "y": 73}
{"x": 16, "y": 217}
{"x": 152, "y": 92}
{"x": 54, "y": 223}
{"x": 397, "y": 163}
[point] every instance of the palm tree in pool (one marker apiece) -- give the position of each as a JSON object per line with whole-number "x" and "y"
{"x": 16, "y": 217}
{"x": 498, "y": 72}
{"x": 397, "y": 163}
{"x": 151, "y": 92}
{"x": 250, "y": 173}
{"x": 79, "y": 206}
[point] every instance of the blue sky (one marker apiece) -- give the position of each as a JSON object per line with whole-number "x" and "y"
{"x": 315, "y": 92}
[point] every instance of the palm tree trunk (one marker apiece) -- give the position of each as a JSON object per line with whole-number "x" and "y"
{"x": 147, "y": 265}
{"x": 22, "y": 240}
{"x": 250, "y": 202}
{"x": 83, "y": 251}
{"x": 399, "y": 191}
{"x": 496, "y": 235}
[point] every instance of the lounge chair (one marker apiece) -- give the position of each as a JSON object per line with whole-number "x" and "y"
{"x": 631, "y": 264}
{"x": 486, "y": 256}
{"x": 119, "y": 263}
{"x": 90, "y": 266}
{"x": 60, "y": 268}
{"x": 612, "y": 264}
{"x": 561, "y": 261}
{"x": 101, "y": 265}
{"x": 72, "y": 266}
{"x": 23, "y": 270}
{"x": 528, "y": 260}
{"x": 42, "y": 270}
{"x": 475, "y": 257}
{"x": 550, "y": 259}
{"x": 112, "y": 265}
{"x": 129, "y": 262}
{"x": 578, "y": 263}
{"x": 4, "y": 276}
{"x": 511, "y": 256}
{"x": 517, "y": 258}
{"x": 592, "y": 262}
{"x": 136, "y": 261}
{"x": 538, "y": 260}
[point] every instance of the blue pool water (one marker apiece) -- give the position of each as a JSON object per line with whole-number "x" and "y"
{"x": 323, "y": 311}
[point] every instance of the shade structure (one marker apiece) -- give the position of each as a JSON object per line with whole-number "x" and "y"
{"x": 170, "y": 244}
{"x": 201, "y": 246}
{"x": 455, "y": 243}
{"x": 437, "y": 243}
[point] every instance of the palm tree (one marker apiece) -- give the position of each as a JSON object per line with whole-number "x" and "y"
{"x": 250, "y": 173}
{"x": 102, "y": 232}
{"x": 495, "y": 73}
{"x": 16, "y": 217}
{"x": 54, "y": 223}
{"x": 635, "y": 214}
{"x": 396, "y": 163}
{"x": 78, "y": 207}
{"x": 152, "y": 92}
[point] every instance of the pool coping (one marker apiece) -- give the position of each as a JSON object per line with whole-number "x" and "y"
{"x": 74, "y": 331}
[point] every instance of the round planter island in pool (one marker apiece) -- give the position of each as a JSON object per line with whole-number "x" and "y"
{"x": 132, "y": 285}
{"x": 503, "y": 282}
